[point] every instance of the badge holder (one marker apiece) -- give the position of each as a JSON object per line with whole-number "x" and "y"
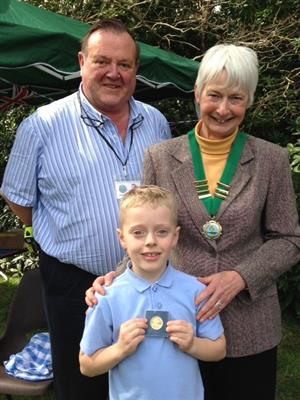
{"x": 157, "y": 323}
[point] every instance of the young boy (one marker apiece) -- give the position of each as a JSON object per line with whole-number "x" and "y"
{"x": 144, "y": 331}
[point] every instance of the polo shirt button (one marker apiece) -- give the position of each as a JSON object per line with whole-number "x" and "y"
{"x": 154, "y": 288}
{"x": 159, "y": 305}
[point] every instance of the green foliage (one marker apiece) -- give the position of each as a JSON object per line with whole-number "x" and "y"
{"x": 288, "y": 369}
{"x": 9, "y": 122}
{"x": 7, "y": 289}
{"x": 294, "y": 150}
{"x": 15, "y": 266}
{"x": 289, "y": 290}
{"x": 8, "y": 126}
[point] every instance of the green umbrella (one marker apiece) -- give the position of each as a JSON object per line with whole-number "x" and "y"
{"x": 38, "y": 59}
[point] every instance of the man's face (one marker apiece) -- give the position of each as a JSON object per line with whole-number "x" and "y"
{"x": 108, "y": 70}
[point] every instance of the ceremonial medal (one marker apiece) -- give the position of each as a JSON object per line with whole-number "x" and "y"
{"x": 212, "y": 230}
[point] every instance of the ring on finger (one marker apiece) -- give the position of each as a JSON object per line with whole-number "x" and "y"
{"x": 219, "y": 305}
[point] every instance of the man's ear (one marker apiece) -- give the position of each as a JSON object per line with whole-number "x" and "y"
{"x": 80, "y": 59}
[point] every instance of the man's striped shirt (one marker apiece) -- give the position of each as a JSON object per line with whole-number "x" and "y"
{"x": 66, "y": 170}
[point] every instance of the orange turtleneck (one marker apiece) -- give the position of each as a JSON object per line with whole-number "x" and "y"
{"x": 214, "y": 156}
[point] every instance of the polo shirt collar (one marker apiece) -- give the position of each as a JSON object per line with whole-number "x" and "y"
{"x": 141, "y": 284}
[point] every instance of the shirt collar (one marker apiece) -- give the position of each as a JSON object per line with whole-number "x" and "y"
{"x": 141, "y": 284}
{"x": 88, "y": 108}
{"x": 135, "y": 118}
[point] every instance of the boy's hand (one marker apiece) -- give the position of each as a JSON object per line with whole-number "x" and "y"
{"x": 132, "y": 333}
{"x": 98, "y": 284}
{"x": 181, "y": 333}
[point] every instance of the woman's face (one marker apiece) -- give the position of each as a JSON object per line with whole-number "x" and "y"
{"x": 222, "y": 108}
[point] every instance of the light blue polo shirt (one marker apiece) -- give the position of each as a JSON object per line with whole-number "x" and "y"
{"x": 67, "y": 170}
{"x": 158, "y": 370}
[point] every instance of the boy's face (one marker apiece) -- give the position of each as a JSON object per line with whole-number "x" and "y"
{"x": 148, "y": 235}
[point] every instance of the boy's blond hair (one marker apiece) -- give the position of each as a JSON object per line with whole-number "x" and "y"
{"x": 155, "y": 196}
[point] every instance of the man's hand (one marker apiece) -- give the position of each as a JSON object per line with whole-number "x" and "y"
{"x": 221, "y": 289}
{"x": 98, "y": 284}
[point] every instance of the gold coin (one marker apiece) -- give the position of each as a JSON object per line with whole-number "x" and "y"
{"x": 156, "y": 322}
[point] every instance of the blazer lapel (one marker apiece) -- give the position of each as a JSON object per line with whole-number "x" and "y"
{"x": 240, "y": 179}
{"x": 183, "y": 178}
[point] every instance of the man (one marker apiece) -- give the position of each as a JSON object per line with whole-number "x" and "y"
{"x": 71, "y": 162}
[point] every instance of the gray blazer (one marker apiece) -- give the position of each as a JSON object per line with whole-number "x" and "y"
{"x": 261, "y": 234}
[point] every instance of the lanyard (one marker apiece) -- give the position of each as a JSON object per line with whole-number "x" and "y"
{"x": 124, "y": 164}
{"x": 96, "y": 124}
{"x": 213, "y": 203}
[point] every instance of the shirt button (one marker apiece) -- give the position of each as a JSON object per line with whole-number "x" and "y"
{"x": 154, "y": 288}
{"x": 159, "y": 305}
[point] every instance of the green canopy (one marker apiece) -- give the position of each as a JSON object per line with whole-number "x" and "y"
{"x": 38, "y": 59}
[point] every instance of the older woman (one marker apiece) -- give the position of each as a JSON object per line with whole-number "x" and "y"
{"x": 239, "y": 222}
{"x": 238, "y": 218}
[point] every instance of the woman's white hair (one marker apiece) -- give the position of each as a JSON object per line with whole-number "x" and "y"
{"x": 239, "y": 62}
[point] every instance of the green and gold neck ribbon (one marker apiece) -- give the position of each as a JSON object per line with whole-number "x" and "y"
{"x": 213, "y": 203}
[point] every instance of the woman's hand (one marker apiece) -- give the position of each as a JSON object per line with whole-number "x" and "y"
{"x": 98, "y": 284}
{"x": 221, "y": 289}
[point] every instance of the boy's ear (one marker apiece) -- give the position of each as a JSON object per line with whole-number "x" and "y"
{"x": 121, "y": 238}
{"x": 176, "y": 237}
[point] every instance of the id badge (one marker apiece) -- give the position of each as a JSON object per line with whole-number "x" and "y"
{"x": 123, "y": 187}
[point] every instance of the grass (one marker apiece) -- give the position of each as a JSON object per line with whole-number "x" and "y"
{"x": 288, "y": 387}
{"x": 288, "y": 357}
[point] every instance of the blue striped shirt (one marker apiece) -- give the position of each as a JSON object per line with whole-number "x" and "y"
{"x": 66, "y": 171}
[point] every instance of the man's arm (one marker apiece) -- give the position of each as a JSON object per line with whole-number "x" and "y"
{"x": 24, "y": 213}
